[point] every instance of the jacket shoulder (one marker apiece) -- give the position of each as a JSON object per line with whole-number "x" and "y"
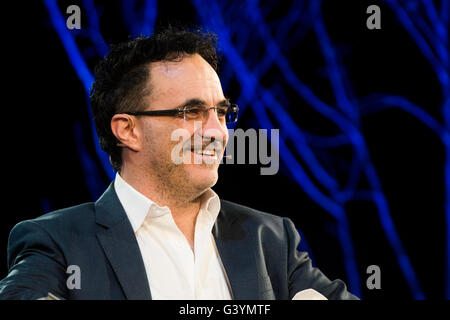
{"x": 256, "y": 217}
{"x": 74, "y": 217}
{"x": 70, "y": 213}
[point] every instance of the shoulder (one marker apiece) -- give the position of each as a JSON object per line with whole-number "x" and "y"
{"x": 254, "y": 219}
{"x": 73, "y": 218}
{"x": 235, "y": 209}
{"x": 51, "y": 231}
{"x": 70, "y": 214}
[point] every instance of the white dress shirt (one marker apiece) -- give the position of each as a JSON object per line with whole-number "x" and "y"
{"x": 173, "y": 270}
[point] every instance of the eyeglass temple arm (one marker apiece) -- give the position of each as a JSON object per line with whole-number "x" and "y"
{"x": 155, "y": 112}
{"x": 169, "y": 112}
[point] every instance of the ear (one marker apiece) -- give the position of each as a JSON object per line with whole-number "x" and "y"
{"x": 124, "y": 127}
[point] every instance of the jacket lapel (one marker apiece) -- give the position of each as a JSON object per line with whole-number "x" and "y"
{"x": 120, "y": 246}
{"x": 119, "y": 243}
{"x": 238, "y": 256}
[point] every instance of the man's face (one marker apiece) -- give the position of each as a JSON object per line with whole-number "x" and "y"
{"x": 172, "y": 84}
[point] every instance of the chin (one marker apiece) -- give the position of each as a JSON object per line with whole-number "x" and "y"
{"x": 203, "y": 178}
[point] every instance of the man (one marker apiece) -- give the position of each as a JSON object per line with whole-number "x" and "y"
{"x": 160, "y": 231}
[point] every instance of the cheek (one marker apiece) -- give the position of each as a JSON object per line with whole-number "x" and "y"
{"x": 226, "y": 136}
{"x": 161, "y": 138}
{"x": 155, "y": 139}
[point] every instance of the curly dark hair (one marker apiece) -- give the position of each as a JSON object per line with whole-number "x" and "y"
{"x": 121, "y": 78}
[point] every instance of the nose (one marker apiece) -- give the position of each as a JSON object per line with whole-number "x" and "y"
{"x": 213, "y": 127}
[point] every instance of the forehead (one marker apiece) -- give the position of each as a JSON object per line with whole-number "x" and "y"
{"x": 192, "y": 76}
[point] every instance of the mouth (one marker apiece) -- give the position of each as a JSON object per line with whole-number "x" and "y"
{"x": 204, "y": 153}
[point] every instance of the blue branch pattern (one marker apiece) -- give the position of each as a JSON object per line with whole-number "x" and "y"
{"x": 243, "y": 33}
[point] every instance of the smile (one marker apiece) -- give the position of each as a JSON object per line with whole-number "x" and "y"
{"x": 209, "y": 153}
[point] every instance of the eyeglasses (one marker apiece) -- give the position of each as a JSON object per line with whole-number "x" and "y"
{"x": 225, "y": 113}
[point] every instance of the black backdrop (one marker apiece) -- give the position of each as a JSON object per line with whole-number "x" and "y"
{"x": 44, "y": 103}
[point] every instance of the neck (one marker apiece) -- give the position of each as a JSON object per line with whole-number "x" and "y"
{"x": 161, "y": 193}
{"x": 183, "y": 205}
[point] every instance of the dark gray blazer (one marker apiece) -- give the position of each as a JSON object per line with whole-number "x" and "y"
{"x": 258, "y": 251}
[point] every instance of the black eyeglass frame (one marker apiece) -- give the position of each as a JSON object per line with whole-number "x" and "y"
{"x": 182, "y": 111}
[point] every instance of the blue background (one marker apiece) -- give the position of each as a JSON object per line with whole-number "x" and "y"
{"x": 364, "y": 120}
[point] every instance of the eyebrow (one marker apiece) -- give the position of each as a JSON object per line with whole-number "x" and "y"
{"x": 196, "y": 101}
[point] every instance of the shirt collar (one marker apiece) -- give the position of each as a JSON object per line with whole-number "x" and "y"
{"x": 137, "y": 206}
{"x": 210, "y": 204}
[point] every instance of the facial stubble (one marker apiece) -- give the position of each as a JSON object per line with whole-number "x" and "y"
{"x": 176, "y": 182}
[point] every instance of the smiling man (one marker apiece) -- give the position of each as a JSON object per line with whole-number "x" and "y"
{"x": 188, "y": 86}
{"x": 159, "y": 231}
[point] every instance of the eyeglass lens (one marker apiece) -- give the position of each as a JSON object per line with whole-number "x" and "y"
{"x": 227, "y": 114}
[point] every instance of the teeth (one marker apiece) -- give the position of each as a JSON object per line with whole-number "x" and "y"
{"x": 205, "y": 152}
